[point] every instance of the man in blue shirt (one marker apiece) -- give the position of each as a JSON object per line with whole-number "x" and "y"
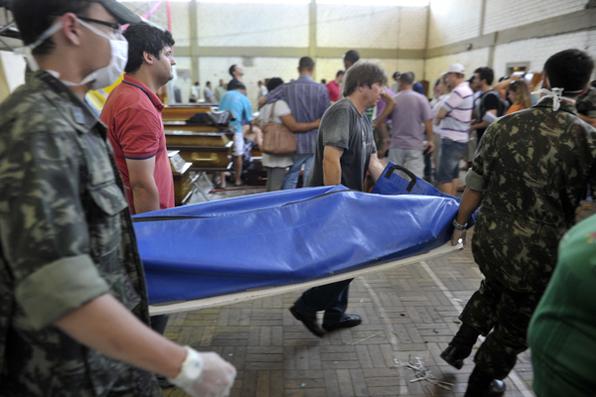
{"x": 236, "y": 102}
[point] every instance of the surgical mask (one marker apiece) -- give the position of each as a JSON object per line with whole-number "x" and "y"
{"x": 99, "y": 78}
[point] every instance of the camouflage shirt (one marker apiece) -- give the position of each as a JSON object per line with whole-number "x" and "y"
{"x": 65, "y": 239}
{"x": 533, "y": 168}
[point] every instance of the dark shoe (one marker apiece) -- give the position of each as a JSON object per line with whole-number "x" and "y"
{"x": 163, "y": 382}
{"x": 309, "y": 320}
{"x": 481, "y": 384}
{"x": 460, "y": 346}
{"x": 346, "y": 321}
{"x": 455, "y": 355}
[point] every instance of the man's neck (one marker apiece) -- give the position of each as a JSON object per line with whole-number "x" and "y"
{"x": 485, "y": 88}
{"x": 358, "y": 102}
{"x": 305, "y": 75}
{"x": 144, "y": 77}
{"x": 70, "y": 74}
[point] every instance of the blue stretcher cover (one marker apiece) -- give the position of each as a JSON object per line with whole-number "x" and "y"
{"x": 279, "y": 238}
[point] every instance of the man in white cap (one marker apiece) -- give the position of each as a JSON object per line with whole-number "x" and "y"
{"x": 454, "y": 120}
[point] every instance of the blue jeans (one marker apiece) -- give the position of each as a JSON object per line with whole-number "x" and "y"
{"x": 451, "y": 153}
{"x": 291, "y": 179}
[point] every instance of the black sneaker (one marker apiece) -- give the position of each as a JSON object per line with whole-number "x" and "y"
{"x": 455, "y": 355}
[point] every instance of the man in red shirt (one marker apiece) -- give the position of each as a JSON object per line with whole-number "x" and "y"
{"x": 334, "y": 86}
{"x": 132, "y": 114}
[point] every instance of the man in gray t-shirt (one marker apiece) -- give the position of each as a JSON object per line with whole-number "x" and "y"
{"x": 344, "y": 127}
{"x": 345, "y": 153}
{"x": 411, "y": 126}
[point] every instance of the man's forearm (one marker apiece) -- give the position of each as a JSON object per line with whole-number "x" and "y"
{"x": 389, "y": 106}
{"x": 479, "y": 126}
{"x": 441, "y": 114}
{"x": 106, "y": 326}
{"x": 470, "y": 200}
{"x": 331, "y": 172}
{"x": 428, "y": 125}
{"x": 146, "y": 198}
{"x": 375, "y": 167}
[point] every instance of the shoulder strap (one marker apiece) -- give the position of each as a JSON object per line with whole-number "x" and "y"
{"x": 272, "y": 114}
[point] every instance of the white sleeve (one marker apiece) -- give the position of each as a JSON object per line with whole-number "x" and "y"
{"x": 282, "y": 108}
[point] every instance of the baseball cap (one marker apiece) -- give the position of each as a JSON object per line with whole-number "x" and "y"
{"x": 122, "y": 14}
{"x": 456, "y": 68}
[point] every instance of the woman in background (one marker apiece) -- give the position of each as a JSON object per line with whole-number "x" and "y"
{"x": 277, "y": 165}
{"x": 518, "y": 95}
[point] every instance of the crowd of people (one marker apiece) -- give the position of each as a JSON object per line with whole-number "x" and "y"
{"x": 74, "y": 317}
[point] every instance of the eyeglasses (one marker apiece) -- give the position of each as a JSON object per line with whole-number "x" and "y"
{"x": 116, "y": 28}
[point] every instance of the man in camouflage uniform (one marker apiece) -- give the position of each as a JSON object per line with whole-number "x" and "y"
{"x": 530, "y": 172}
{"x": 73, "y": 303}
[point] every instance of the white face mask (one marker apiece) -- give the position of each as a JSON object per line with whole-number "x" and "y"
{"x": 101, "y": 77}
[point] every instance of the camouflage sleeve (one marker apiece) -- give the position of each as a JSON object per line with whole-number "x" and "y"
{"x": 478, "y": 176}
{"x": 583, "y": 169}
{"x": 592, "y": 144}
{"x": 44, "y": 234}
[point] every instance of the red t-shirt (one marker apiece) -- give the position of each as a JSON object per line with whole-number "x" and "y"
{"x": 333, "y": 89}
{"x": 132, "y": 114}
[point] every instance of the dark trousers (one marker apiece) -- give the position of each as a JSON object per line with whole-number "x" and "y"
{"x": 503, "y": 316}
{"x": 159, "y": 323}
{"x": 333, "y": 298}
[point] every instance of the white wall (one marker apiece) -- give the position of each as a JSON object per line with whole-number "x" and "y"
{"x": 537, "y": 51}
{"x": 371, "y": 26}
{"x": 213, "y": 69}
{"x": 453, "y": 21}
{"x": 328, "y": 67}
{"x": 14, "y": 69}
{"x": 253, "y": 25}
{"x": 457, "y": 20}
{"x": 180, "y": 23}
{"x": 505, "y": 14}
{"x": 471, "y": 60}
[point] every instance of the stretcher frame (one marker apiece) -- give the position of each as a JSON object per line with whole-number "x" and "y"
{"x": 244, "y": 296}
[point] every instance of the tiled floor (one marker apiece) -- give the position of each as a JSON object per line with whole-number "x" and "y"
{"x": 408, "y": 313}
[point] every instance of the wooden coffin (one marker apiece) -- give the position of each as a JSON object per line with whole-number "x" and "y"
{"x": 183, "y": 177}
{"x": 207, "y": 151}
{"x": 183, "y": 126}
{"x": 184, "y": 112}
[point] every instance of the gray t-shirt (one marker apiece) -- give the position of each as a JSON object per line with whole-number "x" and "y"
{"x": 407, "y": 121}
{"x": 344, "y": 127}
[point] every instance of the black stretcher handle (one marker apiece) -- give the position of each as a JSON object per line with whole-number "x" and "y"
{"x": 406, "y": 171}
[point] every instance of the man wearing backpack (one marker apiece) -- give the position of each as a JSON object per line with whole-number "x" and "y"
{"x": 489, "y": 104}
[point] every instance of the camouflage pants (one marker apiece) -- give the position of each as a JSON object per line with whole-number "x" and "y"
{"x": 503, "y": 317}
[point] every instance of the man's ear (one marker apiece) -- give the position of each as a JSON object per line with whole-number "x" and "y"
{"x": 148, "y": 58}
{"x": 71, "y": 28}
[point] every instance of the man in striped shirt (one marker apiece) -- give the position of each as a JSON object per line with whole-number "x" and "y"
{"x": 307, "y": 100}
{"x": 454, "y": 119}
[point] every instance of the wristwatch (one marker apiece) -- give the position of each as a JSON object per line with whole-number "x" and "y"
{"x": 192, "y": 366}
{"x": 459, "y": 226}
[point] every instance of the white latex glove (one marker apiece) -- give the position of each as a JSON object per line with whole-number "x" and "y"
{"x": 205, "y": 375}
